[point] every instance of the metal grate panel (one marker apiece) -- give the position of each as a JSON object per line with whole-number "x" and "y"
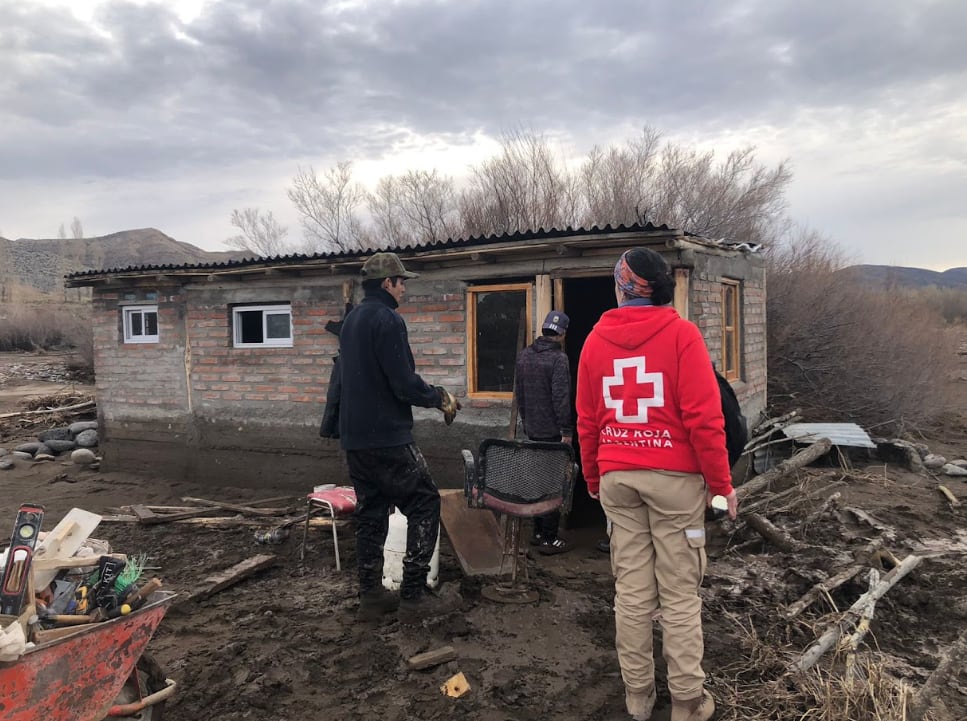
{"x": 525, "y": 472}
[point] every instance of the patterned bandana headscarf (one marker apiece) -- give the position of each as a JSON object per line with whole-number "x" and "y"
{"x": 632, "y": 285}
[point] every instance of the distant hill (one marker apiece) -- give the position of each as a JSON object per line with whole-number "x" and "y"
{"x": 891, "y": 275}
{"x": 42, "y": 263}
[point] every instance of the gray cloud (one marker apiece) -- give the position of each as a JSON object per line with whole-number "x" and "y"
{"x": 141, "y": 93}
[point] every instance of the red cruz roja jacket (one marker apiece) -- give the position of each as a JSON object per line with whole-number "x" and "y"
{"x": 647, "y": 398}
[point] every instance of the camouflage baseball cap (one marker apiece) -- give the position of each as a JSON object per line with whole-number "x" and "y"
{"x": 385, "y": 265}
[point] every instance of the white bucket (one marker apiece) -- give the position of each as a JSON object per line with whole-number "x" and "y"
{"x": 395, "y": 548}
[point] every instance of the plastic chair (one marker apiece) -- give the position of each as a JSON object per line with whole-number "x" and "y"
{"x": 519, "y": 479}
{"x": 331, "y": 503}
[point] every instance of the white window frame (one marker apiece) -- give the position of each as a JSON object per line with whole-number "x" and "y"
{"x": 266, "y": 310}
{"x": 132, "y": 310}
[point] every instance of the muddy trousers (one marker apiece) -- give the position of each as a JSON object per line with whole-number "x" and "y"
{"x": 383, "y": 478}
{"x": 547, "y": 526}
{"x": 658, "y": 560}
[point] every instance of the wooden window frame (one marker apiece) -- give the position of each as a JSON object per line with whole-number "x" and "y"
{"x": 127, "y": 313}
{"x": 528, "y": 289}
{"x": 732, "y": 334}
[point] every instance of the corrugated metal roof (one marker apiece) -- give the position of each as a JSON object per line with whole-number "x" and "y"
{"x": 473, "y": 241}
{"x": 840, "y": 434}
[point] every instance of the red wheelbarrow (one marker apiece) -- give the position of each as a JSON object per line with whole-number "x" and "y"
{"x": 99, "y": 672}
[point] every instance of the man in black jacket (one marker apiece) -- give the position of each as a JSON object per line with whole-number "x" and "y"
{"x": 543, "y": 388}
{"x": 379, "y": 387}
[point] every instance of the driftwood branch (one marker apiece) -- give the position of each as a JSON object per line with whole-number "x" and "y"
{"x": 244, "y": 510}
{"x": 803, "y": 458}
{"x": 950, "y": 662}
{"x": 772, "y": 533}
{"x": 832, "y": 583}
{"x": 951, "y": 498}
{"x": 835, "y": 631}
{"x": 45, "y": 411}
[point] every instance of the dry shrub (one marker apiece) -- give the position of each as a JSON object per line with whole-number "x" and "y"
{"x": 33, "y": 327}
{"x": 759, "y": 688}
{"x": 841, "y": 352}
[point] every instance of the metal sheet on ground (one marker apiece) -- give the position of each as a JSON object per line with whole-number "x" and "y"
{"x": 474, "y": 534}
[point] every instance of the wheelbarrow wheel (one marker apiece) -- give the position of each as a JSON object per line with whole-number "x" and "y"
{"x": 148, "y": 679}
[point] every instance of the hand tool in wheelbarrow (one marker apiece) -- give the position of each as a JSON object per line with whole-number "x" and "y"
{"x": 16, "y": 574}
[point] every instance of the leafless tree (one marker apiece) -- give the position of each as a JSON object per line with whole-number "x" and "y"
{"x": 328, "y": 206}
{"x": 618, "y": 184}
{"x": 77, "y": 230}
{"x": 416, "y": 207}
{"x": 526, "y": 186}
{"x": 260, "y": 232}
{"x": 61, "y": 232}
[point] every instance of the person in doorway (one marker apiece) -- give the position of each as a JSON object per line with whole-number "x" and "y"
{"x": 653, "y": 450}
{"x": 542, "y": 385}
{"x": 379, "y": 387}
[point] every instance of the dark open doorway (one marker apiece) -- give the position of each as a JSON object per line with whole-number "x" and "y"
{"x": 585, "y": 299}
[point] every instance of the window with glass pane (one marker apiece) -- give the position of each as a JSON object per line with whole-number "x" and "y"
{"x": 731, "y": 331}
{"x": 140, "y": 324}
{"x": 496, "y": 314}
{"x": 268, "y": 325}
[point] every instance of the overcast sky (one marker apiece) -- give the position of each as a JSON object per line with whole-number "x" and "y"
{"x": 132, "y": 114}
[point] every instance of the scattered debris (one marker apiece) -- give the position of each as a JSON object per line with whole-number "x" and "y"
{"x": 456, "y": 686}
{"x": 229, "y": 577}
{"x": 428, "y": 659}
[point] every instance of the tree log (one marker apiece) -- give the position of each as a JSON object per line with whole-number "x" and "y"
{"x": 950, "y": 661}
{"x": 773, "y": 534}
{"x": 804, "y": 457}
{"x": 835, "y": 630}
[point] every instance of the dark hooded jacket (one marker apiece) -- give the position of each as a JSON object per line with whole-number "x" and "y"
{"x": 543, "y": 389}
{"x": 379, "y": 383}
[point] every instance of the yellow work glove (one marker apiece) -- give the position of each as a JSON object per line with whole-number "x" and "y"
{"x": 448, "y": 404}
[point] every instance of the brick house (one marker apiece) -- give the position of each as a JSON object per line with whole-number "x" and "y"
{"x": 218, "y": 372}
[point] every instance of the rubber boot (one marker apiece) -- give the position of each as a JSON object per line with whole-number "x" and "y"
{"x": 375, "y": 604}
{"x": 640, "y": 703}
{"x": 415, "y": 609}
{"x": 701, "y": 708}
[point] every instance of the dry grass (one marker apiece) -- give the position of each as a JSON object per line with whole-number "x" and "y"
{"x": 760, "y": 688}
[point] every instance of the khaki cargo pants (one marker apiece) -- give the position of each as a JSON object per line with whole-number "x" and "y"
{"x": 658, "y": 561}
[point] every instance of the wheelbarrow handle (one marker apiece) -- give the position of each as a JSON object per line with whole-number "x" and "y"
{"x": 130, "y": 709}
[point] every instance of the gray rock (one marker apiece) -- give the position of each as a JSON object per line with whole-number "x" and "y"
{"x": 3, "y": 452}
{"x": 934, "y": 461}
{"x": 959, "y": 462}
{"x": 6, "y": 464}
{"x": 32, "y": 447}
{"x": 81, "y": 426}
{"x": 83, "y": 457}
{"x": 55, "y": 434}
{"x": 87, "y": 439}
{"x": 951, "y": 470}
{"x": 44, "y": 457}
{"x": 60, "y": 446}
{"x": 23, "y": 455}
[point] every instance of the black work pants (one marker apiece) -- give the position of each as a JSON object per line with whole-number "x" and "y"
{"x": 546, "y": 526}
{"x": 386, "y": 477}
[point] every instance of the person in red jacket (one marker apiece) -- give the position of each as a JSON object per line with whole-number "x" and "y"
{"x": 652, "y": 441}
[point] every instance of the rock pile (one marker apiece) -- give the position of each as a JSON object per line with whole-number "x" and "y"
{"x": 78, "y": 438}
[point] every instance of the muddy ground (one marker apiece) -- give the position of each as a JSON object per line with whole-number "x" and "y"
{"x": 284, "y": 644}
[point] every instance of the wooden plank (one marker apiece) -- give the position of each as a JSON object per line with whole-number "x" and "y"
{"x": 428, "y": 659}
{"x": 229, "y": 577}
{"x": 45, "y": 563}
{"x": 245, "y": 510}
{"x": 64, "y": 541}
{"x": 473, "y": 532}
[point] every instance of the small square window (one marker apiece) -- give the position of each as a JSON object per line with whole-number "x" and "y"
{"x": 141, "y": 324}
{"x": 257, "y": 326}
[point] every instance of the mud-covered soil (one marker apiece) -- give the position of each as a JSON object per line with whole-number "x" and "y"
{"x": 284, "y": 644}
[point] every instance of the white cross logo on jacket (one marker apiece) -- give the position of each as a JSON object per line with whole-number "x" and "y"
{"x": 631, "y": 395}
